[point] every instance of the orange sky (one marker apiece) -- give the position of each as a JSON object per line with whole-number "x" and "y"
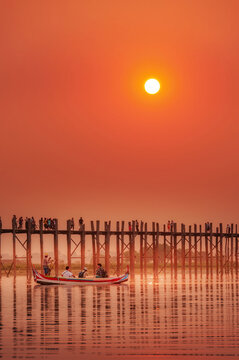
{"x": 79, "y": 136}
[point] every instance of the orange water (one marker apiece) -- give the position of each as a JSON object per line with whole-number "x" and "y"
{"x": 173, "y": 319}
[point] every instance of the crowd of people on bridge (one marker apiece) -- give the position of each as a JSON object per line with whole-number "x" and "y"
{"x": 46, "y": 223}
{"x": 20, "y": 222}
{"x": 49, "y": 223}
{"x": 170, "y": 225}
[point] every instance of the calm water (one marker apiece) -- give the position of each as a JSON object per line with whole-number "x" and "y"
{"x": 195, "y": 319}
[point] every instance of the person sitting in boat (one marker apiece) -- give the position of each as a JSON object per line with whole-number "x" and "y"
{"x": 100, "y": 272}
{"x": 67, "y": 273}
{"x": 82, "y": 273}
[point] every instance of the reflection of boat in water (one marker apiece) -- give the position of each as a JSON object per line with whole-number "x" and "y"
{"x": 58, "y": 280}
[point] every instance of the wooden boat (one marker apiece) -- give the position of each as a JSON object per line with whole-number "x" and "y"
{"x": 58, "y": 280}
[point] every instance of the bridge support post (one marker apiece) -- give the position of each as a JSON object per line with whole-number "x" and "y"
{"x": 221, "y": 247}
{"x": 232, "y": 248}
{"x": 164, "y": 250}
{"x": 145, "y": 247}
{"x": 195, "y": 250}
{"x": 122, "y": 248}
{"x": 29, "y": 254}
{"x": 141, "y": 249}
{"x": 183, "y": 250}
{"x": 175, "y": 260}
{"x": 217, "y": 252}
{"x": 0, "y": 247}
{"x": 68, "y": 242}
{"x": 93, "y": 246}
{"x": 41, "y": 242}
{"x": 132, "y": 249}
{"x": 206, "y": 249}
{"x": 107, "y": 247}
{"x": 97, "y": 241}
{"x": 56, "y": 254}
{"x": 14, "y": 227}
{"x": 211, "y": 249}
{"x": 200, "y": 245}
{"x": 236, "y": 250}
{"x": 156, "y": 249}
{"x": 82, "y": 246}
{"x": 118, "y": 248}
{"x": 190, "y": 250}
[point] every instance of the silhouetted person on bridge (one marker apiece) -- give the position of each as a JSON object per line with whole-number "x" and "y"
{"x": 137, "y": 225}
{"x": 81, "y": 222}
{"x": 33, "y": 224}
{"x": 72, "y": 224}
{"x": 20, "y": 223}
{"x": 169, "y": 225}
{"x": 208, "y": 227}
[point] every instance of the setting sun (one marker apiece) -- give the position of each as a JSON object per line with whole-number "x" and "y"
{"x": 152, "y": 86}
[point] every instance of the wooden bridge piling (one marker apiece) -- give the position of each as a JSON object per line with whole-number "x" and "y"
{"x": 190, "y": 249}
{"x": 164, "y": 249}
{"x": 211, "y": 249}
{"x": 217, "y": 251}
{"x": 206, "y": 249}
{"x": 56, "y": 252}
{"x": 93, "y": 237}
{"x": 200, "y": 246}
{"x": 175, "y": 249}
{"x": 145, "y": 247}
{"x": 107, "y": 246}
{"x": 0, "y": 247}
{"x": 155, "y": 240}
{"x": 132, "y": 249}
{"x": 97, "y": 237}
{"x": 171, "y": 248}
{"x": 68, "y": 242}
{"x": 14, "y": 226}
{"x": 183, "y": 249}
{"x": 156, "y": 257}
{"x": 232, "y": 247}
{"x": 195, "y": 249}
{"x": 29, "y": 242}
{"x": 236, "y": 250}
{"x": 122, "y": 248}
{"x": 41, "y": 242}
{"x": 221, "y": 247}
{"x": 118, "y": 248}
{"x": 82, "y": 243}
{"x": 141, "y": 248}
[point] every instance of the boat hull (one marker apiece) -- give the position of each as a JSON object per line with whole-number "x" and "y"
{"x": 47, "y": 280}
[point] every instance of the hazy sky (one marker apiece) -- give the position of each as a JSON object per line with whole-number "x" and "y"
{"x": 80, "y": 137}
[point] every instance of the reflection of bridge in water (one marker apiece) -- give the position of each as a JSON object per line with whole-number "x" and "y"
{"x": 159, "y": 248}
{"x": 191, "y": 317}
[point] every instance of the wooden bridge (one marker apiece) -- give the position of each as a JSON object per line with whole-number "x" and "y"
{"x": 160, "y": 248}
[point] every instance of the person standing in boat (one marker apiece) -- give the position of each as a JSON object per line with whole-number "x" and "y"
{"x": 67, "y": 273}
{"x": 100, "y": 272}
{"x": 46, "y": 262}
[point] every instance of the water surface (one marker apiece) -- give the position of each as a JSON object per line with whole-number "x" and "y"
{"x": 173, "y": 319}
